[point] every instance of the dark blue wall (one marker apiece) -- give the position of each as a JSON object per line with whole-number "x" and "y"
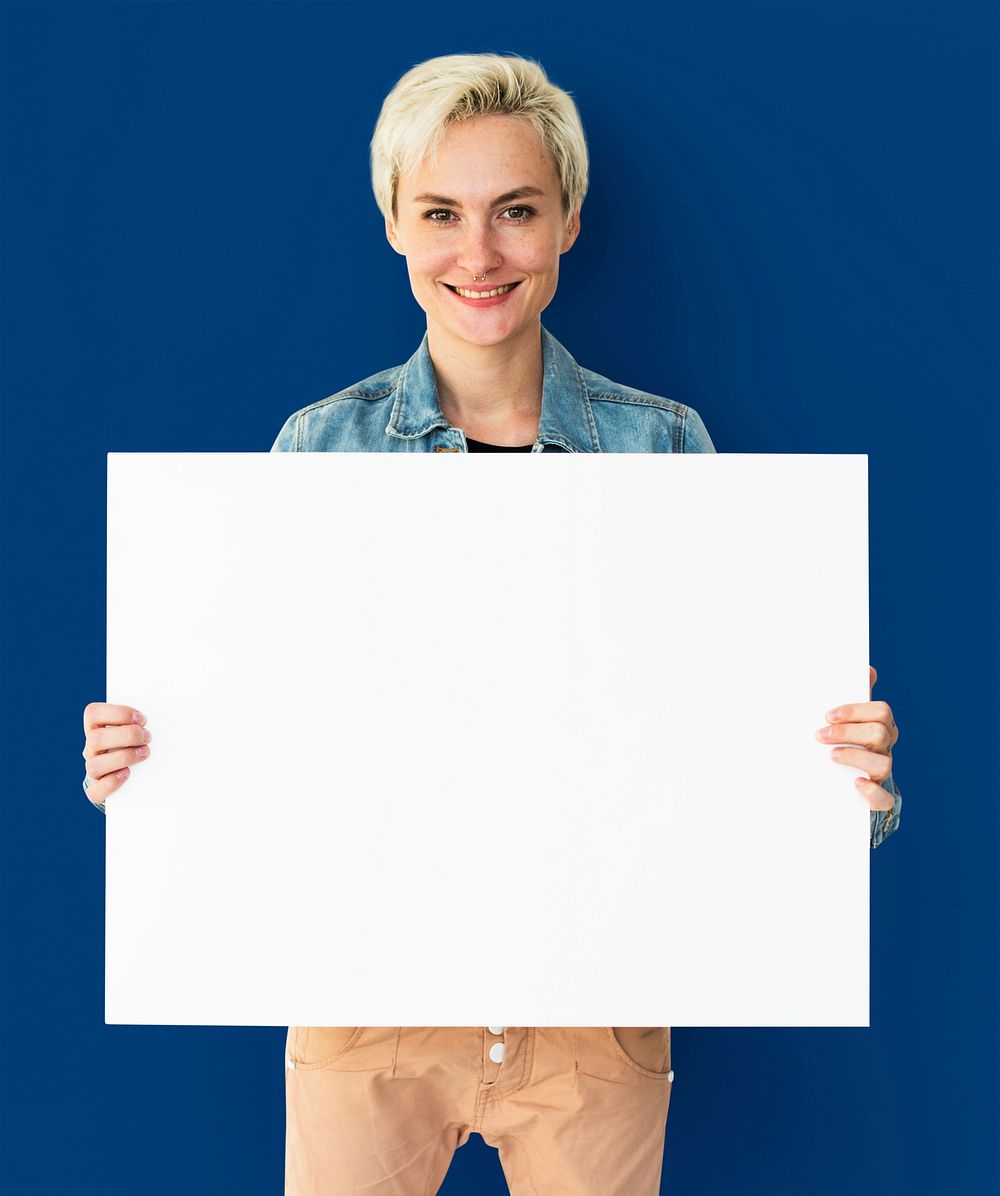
{"x": 791, "y": 227}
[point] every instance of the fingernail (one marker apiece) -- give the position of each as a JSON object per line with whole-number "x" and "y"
{"x": 824, "y": 732}
{"x": 138, "y": 717}
{"x": 835, "y": 713}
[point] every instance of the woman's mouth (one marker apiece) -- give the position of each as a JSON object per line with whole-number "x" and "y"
{"x": 483, "y": 298}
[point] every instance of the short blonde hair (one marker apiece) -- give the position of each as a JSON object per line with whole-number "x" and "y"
{"x": 454, "y": 87}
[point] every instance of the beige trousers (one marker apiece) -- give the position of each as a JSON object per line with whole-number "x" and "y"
{"x": 380, "y": 1110}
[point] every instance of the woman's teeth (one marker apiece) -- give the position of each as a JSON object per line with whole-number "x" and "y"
{"x": 486, "y": 294}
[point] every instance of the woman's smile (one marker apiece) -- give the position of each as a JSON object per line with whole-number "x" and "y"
{"x": 478, "y": 297}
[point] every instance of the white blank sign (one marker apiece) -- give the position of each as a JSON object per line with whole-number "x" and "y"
{"x": 451, "y": 739}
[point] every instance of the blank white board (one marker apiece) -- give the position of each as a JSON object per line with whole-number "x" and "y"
{"x": 452, "y": 739}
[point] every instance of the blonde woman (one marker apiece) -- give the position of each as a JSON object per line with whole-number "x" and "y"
{"x": 479, "y": 167}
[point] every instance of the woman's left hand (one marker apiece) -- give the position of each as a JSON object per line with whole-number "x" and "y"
{"x": 871, "y": 724}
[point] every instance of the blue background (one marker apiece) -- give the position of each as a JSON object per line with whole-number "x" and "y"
{"x": 791, "y": 227}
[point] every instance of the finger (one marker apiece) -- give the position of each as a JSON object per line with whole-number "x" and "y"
{"x": 104, "y": 739}
{"x": 862, "y": 712}
{"x": 875, "y": 795}
{"x": 104, "y": 763}
{"x": 875, "y": 764}
{"x": 875, "y": 736}
{"x": 104, "y": 714}
{"x": 872, "y": 678}
{"x": 858, "y": 712}
{"x": 99, "y": 791}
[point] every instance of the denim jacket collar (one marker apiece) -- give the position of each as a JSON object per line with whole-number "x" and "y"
{"x": 566, "y": 419}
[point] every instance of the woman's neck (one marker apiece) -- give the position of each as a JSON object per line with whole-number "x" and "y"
{"x": 492, "y": 392}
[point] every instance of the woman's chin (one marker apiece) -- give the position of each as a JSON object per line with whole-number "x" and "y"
{"x": 484, "y": 327}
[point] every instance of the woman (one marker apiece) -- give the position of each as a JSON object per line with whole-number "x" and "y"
{"x": 479, "y": 166}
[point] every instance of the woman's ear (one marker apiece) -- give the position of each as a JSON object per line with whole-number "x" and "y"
{"x": 572, "y": 231}
{"x": 392, "y": 236}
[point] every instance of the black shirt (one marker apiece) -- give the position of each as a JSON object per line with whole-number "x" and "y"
{"x": 480, "y": 446}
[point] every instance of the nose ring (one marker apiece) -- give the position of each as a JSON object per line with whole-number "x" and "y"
{"x": 475, "y": 277}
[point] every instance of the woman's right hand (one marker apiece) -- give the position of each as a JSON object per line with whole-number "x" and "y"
{"x": 115, "y": 738}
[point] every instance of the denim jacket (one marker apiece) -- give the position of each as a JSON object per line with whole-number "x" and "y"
{"x": 397, "y": 411}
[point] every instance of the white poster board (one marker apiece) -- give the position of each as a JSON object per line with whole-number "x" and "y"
{"x": 450, "y": 739}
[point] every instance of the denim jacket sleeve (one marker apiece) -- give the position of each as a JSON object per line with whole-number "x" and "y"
{"x": 286, "y": 440}
{"x": 885, "y": 822}
{"x": 102, "y": 806}
{"x": 694, "y": 436}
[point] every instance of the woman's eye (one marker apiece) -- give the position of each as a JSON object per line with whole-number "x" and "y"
{"x": 520, "y": 208}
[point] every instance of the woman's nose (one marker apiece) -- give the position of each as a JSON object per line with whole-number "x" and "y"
{"x": 478, "y": 252}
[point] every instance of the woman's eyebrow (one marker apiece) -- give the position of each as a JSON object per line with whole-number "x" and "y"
{"x": 517, "y": 193}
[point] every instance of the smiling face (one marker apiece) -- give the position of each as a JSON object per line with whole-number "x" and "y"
{"x": 491, "y": 205}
